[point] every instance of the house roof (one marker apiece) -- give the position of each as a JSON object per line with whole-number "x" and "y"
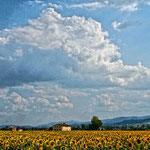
{"x": 62, "y": 125}
{"x": 47, "y": 129}
{"x": 12, "y": 127}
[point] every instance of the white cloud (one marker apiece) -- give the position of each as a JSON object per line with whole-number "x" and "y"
{"x": 53, "y": 100}
{"x": 148, "y": 3}
{"x": 52, "y": 103}
{"x": 4, "y": 41}
{"x": 119, "y": 102}
{"x": 44, "y": 101}
{"x": 52, "y": 90}
{"x": 63, "y": 101}
{"x": 60, "y": 53}
{"x": 70, "y": 60}
{"x": 131, "y": 7}
{"x": 3, "y": 93}
{"x": 64, "y": 105}
{"x": 38, "y": 1}
{"x": 12, "y": 101}
{"x": 18, "y": 53}
{"x": 118, "y": 26}
{"x": 147, "y": 95}
{"x": 108, "y": 100}
{"x": 18, "y": 102}
{"x": 62, "y": 98}
{"x": 55, "y": 6}
{"x": 92, "y": 5}
{"x": 123, "y": 5}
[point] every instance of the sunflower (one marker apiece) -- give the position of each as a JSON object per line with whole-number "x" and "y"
{"x": 138, "y": 141}
{"x": 130, "y": 145}
{"x": 110, "y": 147}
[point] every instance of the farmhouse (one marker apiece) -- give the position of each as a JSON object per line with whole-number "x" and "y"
{"x": 49, "y": 129}
{"x": 20, "y": 130}
{"x": 61, "y": 127}
{"x": 12, "y": 128}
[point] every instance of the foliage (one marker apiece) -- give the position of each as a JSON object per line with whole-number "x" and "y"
{"x": 95, "y": 123}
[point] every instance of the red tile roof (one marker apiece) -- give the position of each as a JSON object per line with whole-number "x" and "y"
{"x": 62, "y": 125}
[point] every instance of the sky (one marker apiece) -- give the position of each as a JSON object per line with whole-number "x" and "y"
{"x": 73, "y": 59}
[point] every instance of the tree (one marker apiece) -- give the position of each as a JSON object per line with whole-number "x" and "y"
{"x": 83, "y": 126}
{"x": 95, "y": 123}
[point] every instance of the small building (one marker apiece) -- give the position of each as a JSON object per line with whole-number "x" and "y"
{"x": 49, "y": 129}
{"x": 101, "y": 128}
{"x": 61, "y": 127}
{"x": 12, "y": 128}
{"x": 20, "y": 130}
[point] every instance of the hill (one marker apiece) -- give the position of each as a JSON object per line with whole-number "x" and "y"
{"x": 106, "y": 122}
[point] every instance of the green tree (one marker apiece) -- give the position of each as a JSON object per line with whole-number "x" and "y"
{"x": 95, "y": 123}
{"x": 83, "y": 126}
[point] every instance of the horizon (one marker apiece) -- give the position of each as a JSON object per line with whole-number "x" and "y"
{"x": 73, "y": 59}
{"x": 64, "y": 121}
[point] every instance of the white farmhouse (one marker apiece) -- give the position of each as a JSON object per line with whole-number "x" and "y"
{"x": 61, "y": 127}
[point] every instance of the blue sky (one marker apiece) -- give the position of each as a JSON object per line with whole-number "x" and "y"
{"x": 70, "y": 60}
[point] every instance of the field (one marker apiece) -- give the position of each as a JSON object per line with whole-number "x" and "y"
{"x": 90, "y": 140}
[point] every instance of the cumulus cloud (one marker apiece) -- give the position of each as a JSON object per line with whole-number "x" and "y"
{"x": 47, "y": 99}
{"x": 119, "y": 101}
{"x": 53, "y": 64}
{"x": 118, "y": 26}
{"x": 12, "y": 102}
{"x": 50, "y": 48}
{"x": 18, "y": 102}
{"x": 35, "y": 100}
{"x": 52, "y": 90}
{"x": 108, "y": 100}
{"x": 47, "y": 102}
{"x": 63, "y": 101}
{"x": 43, "y": 101}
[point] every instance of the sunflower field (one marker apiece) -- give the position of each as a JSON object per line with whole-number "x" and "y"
{"x": 75, "y": 140}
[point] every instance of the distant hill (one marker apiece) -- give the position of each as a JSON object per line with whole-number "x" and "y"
{"x": 106, "y": 122}
{"x": 134, "y": 122}
{"x": 127, "y": 121}
{"x": 21, "y": 126}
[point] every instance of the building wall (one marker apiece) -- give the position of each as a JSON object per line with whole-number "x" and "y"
{"x": 66, "y": 128}
{"x": 61, "y": 128}
{"x": 57, "y": 128}
{"x": 13, "y": 128}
